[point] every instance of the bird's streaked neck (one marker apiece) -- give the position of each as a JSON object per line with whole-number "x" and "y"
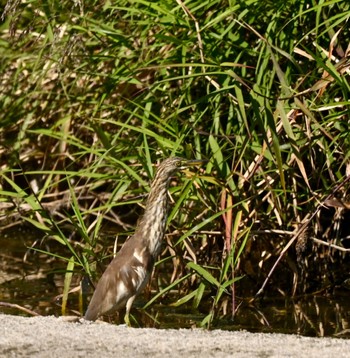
{"x": 154, "y": 219}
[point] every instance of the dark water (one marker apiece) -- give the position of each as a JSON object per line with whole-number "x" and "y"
{"x": 33, "y": 280}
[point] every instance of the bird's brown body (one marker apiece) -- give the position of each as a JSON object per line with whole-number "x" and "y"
{"x": 130, "y": 270}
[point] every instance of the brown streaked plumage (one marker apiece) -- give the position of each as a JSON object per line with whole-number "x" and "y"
{"x": 129, "y": 271}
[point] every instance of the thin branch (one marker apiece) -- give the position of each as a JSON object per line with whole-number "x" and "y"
{"x": 21, "y": 308}
{"x": 333, "y": 246}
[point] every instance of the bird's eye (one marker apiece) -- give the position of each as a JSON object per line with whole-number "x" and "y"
{"x": 178, "y": 164}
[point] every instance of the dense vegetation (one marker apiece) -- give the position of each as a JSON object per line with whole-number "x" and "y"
{"x": 94, "y": 93}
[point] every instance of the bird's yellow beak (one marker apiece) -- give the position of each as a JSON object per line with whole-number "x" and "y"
{"x": 191, "y": 163}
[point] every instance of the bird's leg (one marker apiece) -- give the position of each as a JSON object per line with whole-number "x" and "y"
{"x": 128, "y": 308}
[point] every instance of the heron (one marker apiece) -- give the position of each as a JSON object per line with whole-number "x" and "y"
{"x": 130, "y": 270}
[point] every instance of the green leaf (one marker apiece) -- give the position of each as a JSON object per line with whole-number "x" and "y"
{"x": 184, "y": 299}
{"x": 203, "y": 273}
{"x": 199, "y": 295}
{"x": 67, "y": 282}
{"x": 166, "y": 289}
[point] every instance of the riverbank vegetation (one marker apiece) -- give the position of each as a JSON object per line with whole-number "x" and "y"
{"x": 95, "y": 94}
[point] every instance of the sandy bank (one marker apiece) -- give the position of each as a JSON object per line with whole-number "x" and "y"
{"x": 53, "y": 337}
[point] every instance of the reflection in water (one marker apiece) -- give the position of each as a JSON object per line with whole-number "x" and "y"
{"x": 35, "y": 282}
{"x": 311, "y": 315}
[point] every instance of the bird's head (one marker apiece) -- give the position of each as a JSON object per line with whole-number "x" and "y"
{"x": 171, "y": 165}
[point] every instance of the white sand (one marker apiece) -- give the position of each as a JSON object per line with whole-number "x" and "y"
{"x": 54, "y": 337}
